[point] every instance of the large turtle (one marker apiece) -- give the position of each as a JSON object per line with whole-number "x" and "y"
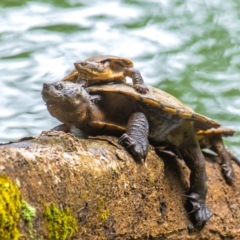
{"x": 119, "y": 109}
{"x": 106, "y": 68}
{"x": 212, "y": 139}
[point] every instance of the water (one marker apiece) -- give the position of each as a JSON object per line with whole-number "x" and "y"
{"x": 187, "y": 48}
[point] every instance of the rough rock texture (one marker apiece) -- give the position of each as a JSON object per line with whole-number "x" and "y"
{"x": 109, "y": 195}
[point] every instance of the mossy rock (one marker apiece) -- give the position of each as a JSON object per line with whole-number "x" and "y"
{"x": 60, "y": 223}
{"x": 10, "y": 209}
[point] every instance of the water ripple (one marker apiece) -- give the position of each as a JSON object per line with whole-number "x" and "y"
{"x": 188, "y": 48}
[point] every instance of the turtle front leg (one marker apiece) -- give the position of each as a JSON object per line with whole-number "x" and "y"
{"x": 135, "y": 139}
{"x": 196, "y": 196}
{"x": 137, "y": 79}
{"x": 225, "y": 157}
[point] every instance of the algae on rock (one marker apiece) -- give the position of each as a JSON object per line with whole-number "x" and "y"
{"x": 10, "y": 209}
{"x": 61, "y": 224}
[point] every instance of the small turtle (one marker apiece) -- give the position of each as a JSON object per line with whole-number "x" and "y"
{"x": 212, "y": 139}
{"x": 106, "y": 68}
{"x": 118, "y": 109}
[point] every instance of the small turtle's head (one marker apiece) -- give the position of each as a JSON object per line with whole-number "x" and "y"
{"x": 93, "y": 70}
{"x": 65, "y": 100}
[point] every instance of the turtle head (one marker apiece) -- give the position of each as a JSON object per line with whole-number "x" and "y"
{"x": 64, "y": 91}
{"x": 65, "y": 100}
{"x": 91, "y": 70}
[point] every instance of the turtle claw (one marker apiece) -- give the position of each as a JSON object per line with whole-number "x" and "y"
{"x": 228, "y": 173}
{"x": 200, "y": 210}
{"x": 138, "y": 150}
{"x": 141, "y": 88}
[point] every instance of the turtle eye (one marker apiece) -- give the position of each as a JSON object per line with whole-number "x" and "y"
{"x": 59, "y": 87}
{"x": 105, "y": 62}
{"x": 83, "y": 64}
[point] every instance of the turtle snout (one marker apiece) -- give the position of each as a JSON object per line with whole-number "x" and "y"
{"x": 46, "y": 90}
{"x": 46, "y": 86}
{"x": 80, "y": 63}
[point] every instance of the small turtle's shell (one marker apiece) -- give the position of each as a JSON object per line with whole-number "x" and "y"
{"x": 159, "y": 99}
{"x": 124, "y": 62}
{"x": 117, "y": 64}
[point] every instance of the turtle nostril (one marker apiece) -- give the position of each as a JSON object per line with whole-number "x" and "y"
{"x": 46, "y": 86}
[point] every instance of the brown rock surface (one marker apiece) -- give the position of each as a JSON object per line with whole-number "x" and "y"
{"x": 110, "y": 195}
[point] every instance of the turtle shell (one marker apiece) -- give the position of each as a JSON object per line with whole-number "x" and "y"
{"x": 116, "y": 64}
{"x": 159, "y": 99}
{"x": 124, "y": 62}
{"x": 223, "y": 131}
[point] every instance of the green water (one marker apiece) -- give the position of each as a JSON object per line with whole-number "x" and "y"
{"x": 190, "y": 49}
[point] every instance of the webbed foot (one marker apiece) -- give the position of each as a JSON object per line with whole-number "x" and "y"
{"x": 200, "y": 210}
{"x": 137, "y": 149}
{"x": 228, "y": 173}
{"x": 141, "y": 88}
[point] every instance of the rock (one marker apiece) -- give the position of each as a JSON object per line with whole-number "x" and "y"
{"x": 93, "y": 189}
